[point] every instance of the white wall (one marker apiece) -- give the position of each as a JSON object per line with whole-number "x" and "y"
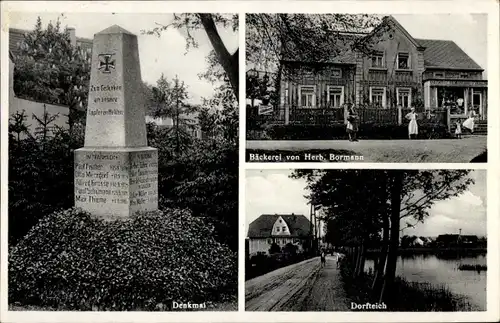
{"x": 37, "y": 108}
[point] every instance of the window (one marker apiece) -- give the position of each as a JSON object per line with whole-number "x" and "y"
{"x": 476, "y": 99}
{"x": 283, "y": 229}
{"x": 337, "y": 73}
{"x": 378, "y": 59}
{"x": 438, "y": 74}
{"x": 403, "y": 61}
{"x": 281, "y": 220}
{"x": 377, "y": 96}
{"x": 307, "y": 96}
{"x": 277, "y": 229}
{"x": 335, "y": 96}
{"x": 403, "y": 97}
{"x": 464, "y": 75}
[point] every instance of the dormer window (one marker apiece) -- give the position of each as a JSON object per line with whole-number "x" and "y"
{"x": 403, "y": 61}
{"x": 378, "y": 59}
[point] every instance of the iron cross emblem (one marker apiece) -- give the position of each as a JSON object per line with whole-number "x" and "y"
{"x": 105, "y": 63}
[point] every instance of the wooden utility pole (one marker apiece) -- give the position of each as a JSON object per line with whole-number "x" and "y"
{"x": 311, "y": 226}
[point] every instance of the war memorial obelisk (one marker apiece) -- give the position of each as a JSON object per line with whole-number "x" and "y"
{"x": 116, "y": 173}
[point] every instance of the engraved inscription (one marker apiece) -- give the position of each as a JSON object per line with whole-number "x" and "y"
{"x": 104, "y": 94}
{"x": 103, "y": 178}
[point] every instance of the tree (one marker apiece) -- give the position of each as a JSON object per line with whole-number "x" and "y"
{"x": 223, "y": 105}
{"x": 49, "y": 69}
{"x": 270, "y": 38}
{"x": 17, "y": 124}
{"x": 189, "y": 22}
{"x": 169, "y": 101}
{"x": 257, "y": 88}
{"x": 363, "y": 203}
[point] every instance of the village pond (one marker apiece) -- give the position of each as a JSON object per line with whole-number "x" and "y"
{"x": 443, "y": 271}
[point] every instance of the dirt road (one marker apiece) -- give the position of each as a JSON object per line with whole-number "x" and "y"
{"x": 305, "y": 286}
{"x": 378, "y": 151}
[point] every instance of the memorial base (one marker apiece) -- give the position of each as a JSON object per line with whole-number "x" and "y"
{"x": 116, "y": 182}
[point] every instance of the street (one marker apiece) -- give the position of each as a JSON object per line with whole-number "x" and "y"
{"x": 304, "y": 286}
{"x": 380, "y": 151}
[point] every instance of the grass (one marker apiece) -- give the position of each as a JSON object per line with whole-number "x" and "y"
{"x": 408, "y": 296}
{"x": 466, "y": 150}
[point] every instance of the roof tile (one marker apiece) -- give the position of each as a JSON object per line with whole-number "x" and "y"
{"x": 446, "y": 54}
{"x": 298, "y": 224}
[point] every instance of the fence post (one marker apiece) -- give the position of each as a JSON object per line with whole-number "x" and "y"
{"x": 448, "y": 119}
{"x": 287, "y": 114}
{"x": 400, "y": 115}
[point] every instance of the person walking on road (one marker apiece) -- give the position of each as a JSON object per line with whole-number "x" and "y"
{"x": 323, "y": 259}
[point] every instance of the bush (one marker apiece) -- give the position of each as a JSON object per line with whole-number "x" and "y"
{"x": 204, "y": 179}
{"x": 41, "y": 178}
{"x": 338, "y": 132}
{"x": 73, "y": 261}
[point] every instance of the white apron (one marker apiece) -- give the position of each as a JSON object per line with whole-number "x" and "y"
{"x": 412, "y": 126}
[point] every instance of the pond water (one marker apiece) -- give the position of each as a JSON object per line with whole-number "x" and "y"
{"x": 438, "y": 271}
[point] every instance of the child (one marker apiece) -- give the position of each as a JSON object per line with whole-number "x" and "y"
{"x": 458, "y": 129}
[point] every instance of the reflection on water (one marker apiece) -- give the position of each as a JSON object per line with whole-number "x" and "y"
{"x": 438, "y": 271}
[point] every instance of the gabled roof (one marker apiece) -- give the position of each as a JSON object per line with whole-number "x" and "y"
{"x": 444, "y": 54}
{"x": 298, "y": 225}
{"x": 395, "y": 23}
{"x": 447, "y": 55}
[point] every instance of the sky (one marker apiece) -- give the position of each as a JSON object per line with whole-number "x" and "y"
{"x": 157, "y": 55}
{"x": 272, "y": 191}
{"x": 468, "y": 31}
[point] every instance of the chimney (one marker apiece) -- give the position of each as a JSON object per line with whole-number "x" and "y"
{"x": 72, "y": 36}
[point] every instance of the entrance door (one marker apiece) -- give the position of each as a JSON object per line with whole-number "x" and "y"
{"x": 477, "y": 103}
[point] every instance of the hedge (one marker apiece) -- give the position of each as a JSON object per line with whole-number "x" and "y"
{"x": 73, "y": 261}
{"x": 338, "y": 131}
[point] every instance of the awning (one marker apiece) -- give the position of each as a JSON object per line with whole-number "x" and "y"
{"x": 458, "y": 83}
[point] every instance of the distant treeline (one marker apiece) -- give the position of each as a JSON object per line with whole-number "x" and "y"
{"x": 443, "y": 252}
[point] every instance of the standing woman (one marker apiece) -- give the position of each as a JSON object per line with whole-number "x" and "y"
{"x": 352, "y": 124}
{"x": 469, "y": 123}
{"x": 412, "y": 126}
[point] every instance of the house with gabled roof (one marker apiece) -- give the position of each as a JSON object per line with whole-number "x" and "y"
{"x": 399, "y": 72}
{"x": 280, "y": 229}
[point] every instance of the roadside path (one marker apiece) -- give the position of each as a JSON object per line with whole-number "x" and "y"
{"x": 388, "y": 151}
{"x": 304, "y": 286}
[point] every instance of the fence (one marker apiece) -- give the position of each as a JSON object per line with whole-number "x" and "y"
{"x": 329, "y": 116}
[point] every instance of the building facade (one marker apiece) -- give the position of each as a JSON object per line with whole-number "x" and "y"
{"x": 398, "y": 72}
{"x": 280, "y": 229}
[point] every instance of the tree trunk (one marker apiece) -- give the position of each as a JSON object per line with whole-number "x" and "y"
{"x": 362, "y": 257}
{"x": 378, "y": 280}
{"x": 392, "y": 257}
{"x": 177, "y": 148}
{"x": 357, "y": 259}
{"x": 379, "y": 270}
{"x": 229, "y": 62}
